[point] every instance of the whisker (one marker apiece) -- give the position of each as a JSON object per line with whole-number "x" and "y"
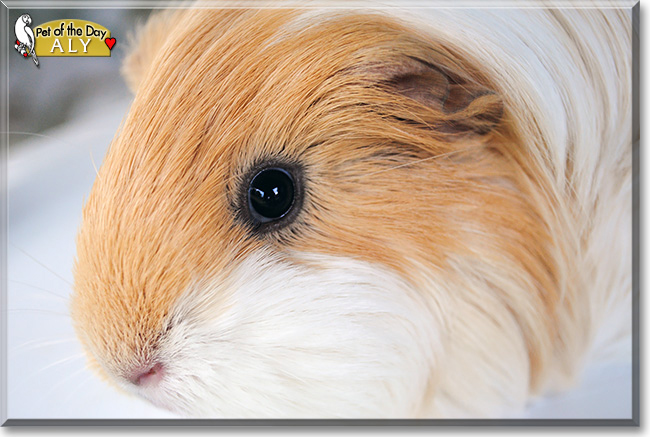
{"x": 442, "y": 155}
{"x": 36, "y": 310}
{"x": 42, "y": 265}
{"x": 92, "y": 160}
{"x": 61, "y": 361}
{"x": 37, "y": 135}
{"x": 90, "y": 150}
{"x": 80, "y": 384}
{"x": 37, "y": 344}
{"x": 44, "y": 397}
{"x": 66, "y": 379}
{"x": 60, "y": 296}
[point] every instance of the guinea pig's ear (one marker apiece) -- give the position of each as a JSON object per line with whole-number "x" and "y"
{"x": 145, "y": 43}
{"x": 465, "y": 106}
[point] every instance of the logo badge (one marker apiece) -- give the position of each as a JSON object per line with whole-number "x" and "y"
{"x": 62, "y": 38}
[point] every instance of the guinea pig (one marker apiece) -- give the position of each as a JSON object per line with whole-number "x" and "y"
{"x": 362, "y": 213}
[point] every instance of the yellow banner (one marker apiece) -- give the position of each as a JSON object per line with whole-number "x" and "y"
{"x": 72, "y": 38}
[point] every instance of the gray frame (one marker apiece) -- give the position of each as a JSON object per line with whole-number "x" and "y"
{"x": 5, "y": 40}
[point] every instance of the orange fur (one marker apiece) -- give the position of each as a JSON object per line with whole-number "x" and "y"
{"x": 392, "y": 176}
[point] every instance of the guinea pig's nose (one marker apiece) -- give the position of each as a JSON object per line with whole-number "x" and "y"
{"x": 147, "y": 376}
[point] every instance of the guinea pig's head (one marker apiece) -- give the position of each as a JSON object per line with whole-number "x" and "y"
{"x": 308, "y": 214}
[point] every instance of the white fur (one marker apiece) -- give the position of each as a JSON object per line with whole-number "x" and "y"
{"x": 328, "y": 337}
{"x": 567, "y": 74}
{"x": 313, "y": 336}
{"x": 571, "y": 85}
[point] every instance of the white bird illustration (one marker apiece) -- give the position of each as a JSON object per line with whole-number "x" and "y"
{"x": 25, "y": 37}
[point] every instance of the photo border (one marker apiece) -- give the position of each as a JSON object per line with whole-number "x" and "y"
{"x": 5, "y": 421}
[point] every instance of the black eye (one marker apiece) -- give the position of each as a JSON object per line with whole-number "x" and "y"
{"x": 271, "y": 194}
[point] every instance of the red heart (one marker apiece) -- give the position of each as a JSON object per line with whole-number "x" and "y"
{"x": 110, "y": 42}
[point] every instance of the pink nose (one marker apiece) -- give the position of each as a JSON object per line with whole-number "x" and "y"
{"x": 148, "y": 376}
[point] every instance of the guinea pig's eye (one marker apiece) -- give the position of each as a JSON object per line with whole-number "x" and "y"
{"x": 271, "y": 195}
